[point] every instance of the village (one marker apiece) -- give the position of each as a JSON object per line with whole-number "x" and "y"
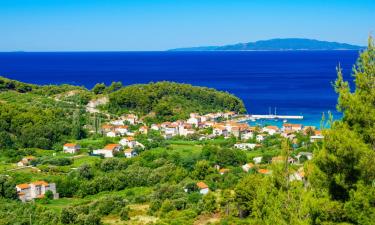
{"x": 197, "y": 127}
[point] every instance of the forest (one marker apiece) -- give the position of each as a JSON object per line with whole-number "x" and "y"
{"x": 158, "y": 186}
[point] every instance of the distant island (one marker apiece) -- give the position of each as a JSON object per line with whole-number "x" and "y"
{"x": 279, "y": 44}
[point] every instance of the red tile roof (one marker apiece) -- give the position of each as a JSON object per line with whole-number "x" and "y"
{"x": 202, "y": 185}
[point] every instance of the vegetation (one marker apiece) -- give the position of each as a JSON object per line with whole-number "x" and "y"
{"x": 159, "y": 186}
{"x": 171, "y": 101}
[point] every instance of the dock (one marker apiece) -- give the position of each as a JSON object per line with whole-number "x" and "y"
{"x": 245, "y": 118}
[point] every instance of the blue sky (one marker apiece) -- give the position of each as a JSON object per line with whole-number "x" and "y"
{"x": 114, "y": 25}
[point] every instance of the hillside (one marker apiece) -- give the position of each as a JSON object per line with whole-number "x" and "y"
{"x": 278, "y": 44}
{"x": 169, "y": 100}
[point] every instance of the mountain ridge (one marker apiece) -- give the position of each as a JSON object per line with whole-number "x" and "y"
{"x": 277, "y": 44}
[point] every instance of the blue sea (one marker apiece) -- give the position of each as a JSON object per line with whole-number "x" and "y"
{"x": 293, "y": 82}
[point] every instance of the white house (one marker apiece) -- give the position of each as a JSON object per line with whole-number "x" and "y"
{"x": 292, "y": 127}
{"x": 258, "y": 160}
{"x": 111, "y": 134}
{"x": 308, "y": 155}
{"x": 203, "y": 188}
{"x": 129, "y": 153}
{"x": 131, "y": 118}
{"x": 37, "y": 189}
{"x": 260, "y": 138}
{"x": 155, "y": 127}
{"x": 219, "y": 130}
{"x": 247, "y": 135}
{"x": 128, "y": 141}
{"x": 26, "y": 161}
{"x": 117, "y": 122}
{"x": 194, "y": 119}
{"x": 316, "y": 138}
{"x": 71, "y": 148}
{"x": 247, "y": 167}
{"x": 108, "y": 151}
{"x": 271, "y": 130}
{"x": 245, "y": 146}
{"x": 143, "y": 130}
{"x": 122, "y": 129}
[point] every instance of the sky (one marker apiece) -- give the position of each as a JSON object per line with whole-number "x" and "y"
{"x": 141, "y": 25}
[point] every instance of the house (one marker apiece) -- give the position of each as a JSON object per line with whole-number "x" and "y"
{"x": 128, "y": 141}
{"x": 292, "y": 127}
{"x": 247, "y": 167}
{"x": 245, "y": 146}
{"x": 223, "y": 171}
{"x": 281, "y": 159}
{"x": 271, "y": 130}
{"x": 37, "y": 189}
{"x": 143, "y": 130}
{"x": 71, "y": 148}
{"x": 26, "y": 161}
{"x": 107, "y": 128}
{"x": 121, "y": 129}
{"x": 129, "y": 153}
{"x": 131, "y": 119}
{"x": 117, "y": 122}
{"x": 315, "y": 138}
{"x": 229, "y": 115}
{"x": 307, "y": 155}
{"x": 108, "y": 151}
{"x": 155, "y": 127}
{"x": 260, "y": 137}
{"x": 247, "y": 135}
{"x": 111, "y": 134}
{"x": 194, "y": 119}
{"x": 298, "y": 175}
{"x": 170, "y": 131}
{"x": 185, "y": 130}
{"x": 219, "y": 129}
{"x": 203, "y": 188}
{"x": 258, "y": 160}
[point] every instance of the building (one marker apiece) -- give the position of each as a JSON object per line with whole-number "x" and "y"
{"x": 143, "y": 130}
{"x": 223, "y": 171}
{"x": 203, "y": 188}
{"x": 121, "y": 129}
{"x": 71, "y": 148}
{"x": 129, "y": 142}
{"x": 25, "y": 161}
{"x": 264, "y": 171}
{"x": 271, "y": 130}
{"x": 316, "y": 138}
{"x": 247, "y": 167}
{"x": 248, "y": 135}
{"x": 245, "y": 146}
{"x": 131, "y": 119}
{"x": 155, "y": 127}
{"x": 129, "y": 153}
{"x": 307, "y": 155}
{"x": 292, "y": 127}
{"x": 219, "y": 129}
{"x": 108, "y": 151}
{"x": 260, "y": 137}
{"x": 258, "y": 160}
{"x": 37, "y": 189}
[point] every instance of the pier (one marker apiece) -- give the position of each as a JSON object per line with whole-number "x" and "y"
{"x": 245, "y": 118}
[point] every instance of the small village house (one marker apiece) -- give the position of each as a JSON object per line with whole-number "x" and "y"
{"x": 247, "y": 167}
{"x": 292, "y": 127}
{"x": 271, "y": 130}
{"x": 108, "y": 151}
{"x": 25, "y": 161}
{"x": 131, "y": 119}
{"x": 260, "y": 137}
{"x": 257, "y": 160}
{"x": 71, "y": 148}
{"x": 37, "y": 189}
{"x": 223, "y": 171}
{"x": 129, "y": 153}
{"x": 129, "y": 142}
{"x": 307, "y": 155}
{"x": 203, "y": 188}
{"x": 245, "y": 146}
{"x": 143, "y": 130}
{"x": 121, "y": 129}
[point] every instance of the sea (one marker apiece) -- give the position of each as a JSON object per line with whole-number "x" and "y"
{"x": 269, "y": 82}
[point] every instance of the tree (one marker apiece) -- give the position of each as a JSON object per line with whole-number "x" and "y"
{"x": 358, "y": 106}
{"x": 48, "y": 194}
{"x": 7, "y": 187}
{"x": 124, "y": 213}
{"x": 99, "y": 88}
{"x": 209, "y": 202}
{"x": 202, "y": 169}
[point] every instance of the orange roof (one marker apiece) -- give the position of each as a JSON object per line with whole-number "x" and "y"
{"x": 292, "y": 125}
{"x": 122, "y": 126}
{"x": 23, "y": 186}
{"x": 111, "y": 146}
{"x": 318, "y": 132}
{"x": 202, "y": 185}
{"x": 40, "y": 182}
{"x": 224, "y": 170}
{"x": 130, "y": 138}
{"x": 250, "y": 165}
{"x": 263, "y": 171}
{"x": 70, "y": 145}
{"x": 106, "y": 126}
{"x": 272, "y": 127}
